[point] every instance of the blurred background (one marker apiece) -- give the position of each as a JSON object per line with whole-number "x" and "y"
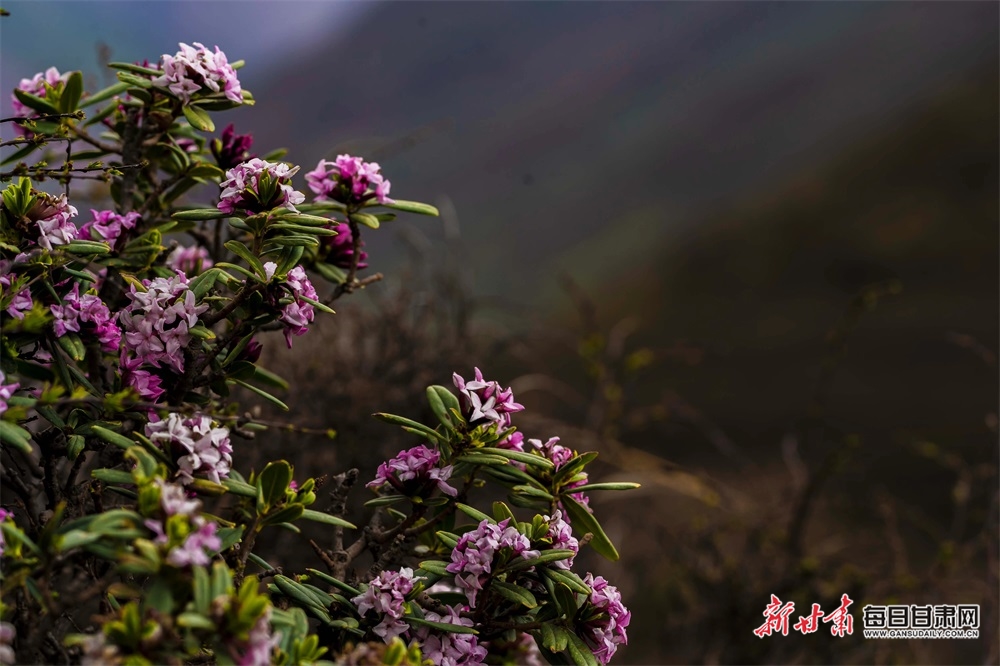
{"x": 747, "y": 251}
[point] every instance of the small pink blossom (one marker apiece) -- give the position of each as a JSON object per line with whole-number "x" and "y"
{"x": 447, "y": 649}
{"x": 260, "y": 644}
{"x": 483, "y": 400}
{"x": 55, "y": 227}
{"x": 606, "y": 619}
{"x": 21, "y": 302}
{"x": 197, "y": 547}
{"x": 88, "y": 310}
{"x": 413, "y": 472}
{"x": 108, "y": 226}
{"x": 386, "y": 595}
{"x": 257, "y": 186}
{"x": 191, "y": 260}
{"x": 196, "y": 69}
{"x": 472, "y": 557}
{"x": 158, "y": 321}
{"x": 198, "y": 447}
{"x": 349, "y": 180}
{"x": 297, "y": 315}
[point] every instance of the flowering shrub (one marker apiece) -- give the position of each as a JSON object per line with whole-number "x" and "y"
{"x": 124, "y": 352}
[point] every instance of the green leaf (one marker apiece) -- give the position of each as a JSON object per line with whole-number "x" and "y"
{"x": 71, "y": 93}
{"x": 578, "y": 650}
{"x": 405, "y": 422}
{"x": 75, "y": 539}
{"x": 436, "y": 400}
{"x": 306, "y": 220}
{"x": 624, "y": 485}
{"x": 106, "y": 93}
{"x": 526, "y": 458}
{"x": 330, "y": 273}
{"x": 20, "y": 154}
{"x": 386, "y": 500}
{"x": 74, "y": 446}
{"x": 319, "y": 517}
{"x": 115, "y": 438}
{"x": 34, "y": 102}
{"x": 546, "y": 557}
{"x": 112, "y": 476}
{"x": 365, "y": 219}
{"x": 344, "y": 587}
{"x": 242, "y": 251}
{"x": 265, "y": 376}
{"x": 239, "y": 488}
{"x": 261, "y": 392}
{"x": 73, "y": 346}
{"x": 195, "y": 621}
{"x": 197, "y": 214}
{"x": 198, "y": 117}
{"x": 410, "y": 207}
{"x": 202, "y": 284}
{"x": 514, "y": 593}
{"x": 567, "y": 578}
{"x": 15, "y": 436}
{"x": 473, "y": 513}
{"x": 287, "y": 514}
{"x": 206, "y": 171}
{"x": 442, "y": 626}
{"x": 135, "y": 69}
{"x": 447, "y": 538}
{"x": 437, "y": 567}
{"x": 86, "y": 247}
{"x": 586, "y": 522}
{"x": 272, "y": 484}
{"x": 134, "y": 81}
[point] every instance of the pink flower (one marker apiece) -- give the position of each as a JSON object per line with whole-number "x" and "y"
{"x": 413, "y": 472}
{"x": 257, "y": 186}
{"x": 55, "y": 227}
{"x": 198, "y": 447}
{"x": 36, "y": 86}
{"x": 386, "y": 595}
{"x": 447, "y": 649}
{"x": 175, "y": 501}
{"x": 605, "y": 619}
{"x": 108, "y": 225}
{"x": 472, "y": 557}
{"x": 562, "y": 538}
{"x": 340, "y": 248}
{"x": 483, "y": 400}
{"x": 260, "y": 643}
{"x": 349, "y": 180}
{"x": 87, "y": 309}
{"x": 21, "y": 301}
{"x": 189, "y": 260}
{"x": 197, "y": 547}
{"x": 297, "y": 315}
{"x": 232, "y": 148}
{"x": 157, "y": 321}
{"x": 196, "y": 69}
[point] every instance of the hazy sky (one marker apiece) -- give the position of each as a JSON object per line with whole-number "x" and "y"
{"x": 64, "y": 34}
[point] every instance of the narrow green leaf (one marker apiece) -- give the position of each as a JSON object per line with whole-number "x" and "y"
{"x": 261, "y": 392}
{"x": 133, "y": 80}
{"x": 273, "y": 481}
{"x": 341, "y": 585}
{"x": 624, "y": 485}
{"x": 103, "y": 94}
{"x": 442, "y": 626}
{"x": 367, "y": 220}
{"x": 34, "y": 102}
{"x": 473, "y": 513}
{"x": 586, "y": 522}
{"x": 514, "y": 593}
{"x": 520, "y": 456}
{"x": 135, "y": 69}
{"x": 112, "y": 476}
{"x": 115, "y": 438}
{"x": 239, "y": 488}
{"x": 319, "y": 517}
{"x": 71, "y": 93}
{"x": 199, "y": 118}
{"x": 409, "y": 207}
{"x": 197, "y": 214}
{"x": 15, "y": 436}
{"x": 246, "y": 255}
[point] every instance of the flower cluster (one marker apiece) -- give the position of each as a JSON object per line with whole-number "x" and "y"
{"x": 472, "y": 557}
{"x": 158, "y": 320}
{"x": 4, "y": 515}
{"x": 413, "y": 471}
{"x": 486, "y": 400}
{"x": 260, "y": 643}
{"x": 189, "y": 260}
{"x": 21, "y": 301}
{"x": 108, "y": 226}
{"x": 197, "y": 548}
{"x": 560, "y": 455}
{"x": 52, "y": 215}
{"x": 193, "y": 69}
{"x": 605, "y": 624}
{"x": 89, "y": 310}
{"x": 36, "y": 86}
{"x": 257, "y": 186}
{"x": 447, "y": 649}
{"x": 6, "y": 391}
{"x": 199, "y": 448}
{"x": 562, "y": 538}
{"x": 339, "y": 249}
{"x": 231, "y": 149}
{"x": 297, "y": 315}
{"x": 386, "y": 596}
{"x": 349, "y": 180}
